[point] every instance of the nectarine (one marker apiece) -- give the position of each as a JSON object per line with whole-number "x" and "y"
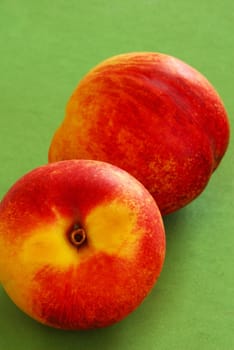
{"x": 81, "y": 244}
{"x": 152, "y": 115}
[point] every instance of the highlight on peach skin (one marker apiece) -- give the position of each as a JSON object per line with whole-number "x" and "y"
{"x": 82, "y": 243}
{"x": 152, "y": 115}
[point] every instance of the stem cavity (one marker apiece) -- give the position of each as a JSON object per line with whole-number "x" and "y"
{"x": 77, "y": 236}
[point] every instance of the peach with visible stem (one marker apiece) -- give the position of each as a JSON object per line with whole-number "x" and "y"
{"x": 82, "y": 243}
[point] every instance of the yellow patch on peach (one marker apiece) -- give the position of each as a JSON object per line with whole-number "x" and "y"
{"x": 46, "y": 245}
{"x": 112, "y": 229}
{"x": 49, "y": 245}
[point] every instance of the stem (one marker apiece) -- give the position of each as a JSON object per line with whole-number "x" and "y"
{"x": 77, "y": 236}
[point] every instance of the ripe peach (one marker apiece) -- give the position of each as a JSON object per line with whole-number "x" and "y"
{"x": 81, "y": 244}
{"x": 152, "y": 115}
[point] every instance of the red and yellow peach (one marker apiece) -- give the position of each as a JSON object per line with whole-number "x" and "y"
{"x": 152, "y": 115}
{"x": 81, "y": 244}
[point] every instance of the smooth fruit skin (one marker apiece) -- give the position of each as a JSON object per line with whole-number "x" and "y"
{"x": 152, "y": 115}
{"x": 99, "y": 282}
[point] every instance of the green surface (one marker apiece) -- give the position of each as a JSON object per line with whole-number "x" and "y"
{"x": 46, "y": 47}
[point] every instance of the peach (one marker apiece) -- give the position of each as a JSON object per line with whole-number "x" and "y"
{"x": 82, "y": 243}
{"x": 152, "y": 115}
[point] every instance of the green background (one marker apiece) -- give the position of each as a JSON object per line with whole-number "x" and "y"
{"x": 46, "y": 48}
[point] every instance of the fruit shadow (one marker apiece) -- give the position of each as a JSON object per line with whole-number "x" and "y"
{"x": 149, "y": 315}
